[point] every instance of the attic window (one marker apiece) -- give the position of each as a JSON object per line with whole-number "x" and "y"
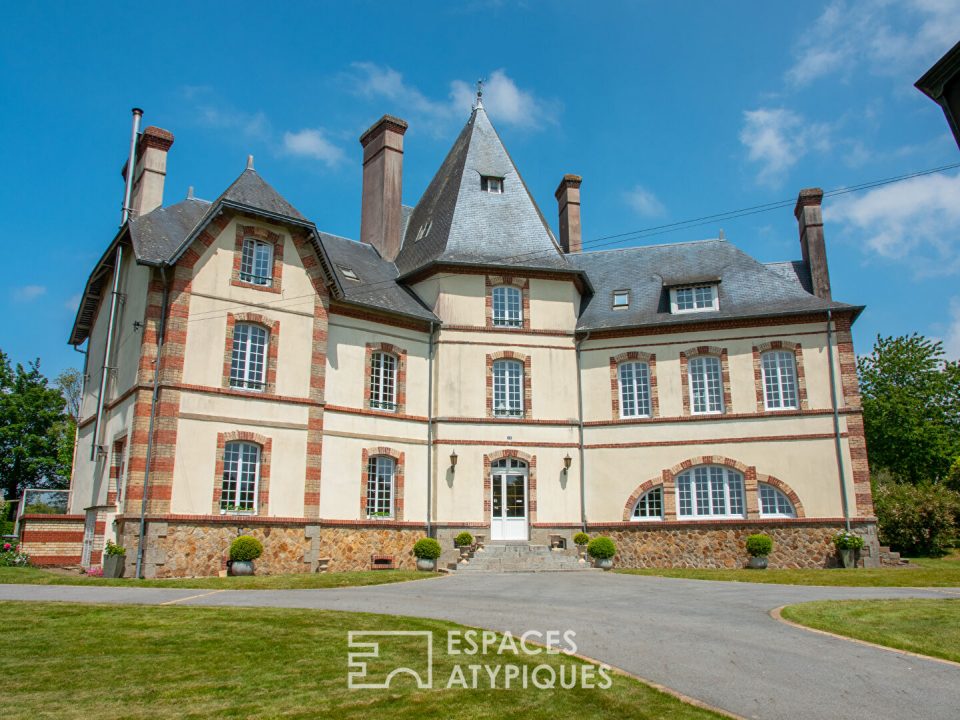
{"x": 694, "y": 298}
{"x": 348, "y": 273}
{"x": 424, "y": 230}
{"x": 491, "y": 184}
{"x": 621, "y": 299}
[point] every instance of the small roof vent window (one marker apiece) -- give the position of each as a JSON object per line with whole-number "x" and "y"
{"x": 348, "y": 273}
{"x": 621, "y": 299}
{"x": 424, "y": 230}
{"x": 491, "y": 184}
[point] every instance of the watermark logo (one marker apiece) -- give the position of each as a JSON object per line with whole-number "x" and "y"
{"x": 376, "y": 658}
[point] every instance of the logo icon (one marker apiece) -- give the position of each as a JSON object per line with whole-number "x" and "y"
{"x": 370, "y": 669}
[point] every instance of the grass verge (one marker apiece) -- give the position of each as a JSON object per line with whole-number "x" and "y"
{"x": 297, "y": 581}
{"x": 79, "y": 661}
{"x": 932, "y": 572}
{"x": 928, "y": 627}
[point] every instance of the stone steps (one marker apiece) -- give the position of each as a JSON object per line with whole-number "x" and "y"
{"x": 891, "y": 558}
{"x": 520, "y": 557}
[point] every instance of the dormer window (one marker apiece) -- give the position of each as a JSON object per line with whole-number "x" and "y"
{"x": 491, "y": 184}
{"x": 694, "y": 298}
{"x": 424, "y": 230}
{"x": 348, "y": 273}
{"x": 621, "y": 299}
{"x": 256, "y": 263}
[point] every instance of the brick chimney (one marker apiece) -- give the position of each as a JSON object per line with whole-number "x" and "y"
{"x": 380, "y": 216}
{"x": 810, "y": 221}
{"x": 568, "y": 200}
{"x": 150, "y": 170}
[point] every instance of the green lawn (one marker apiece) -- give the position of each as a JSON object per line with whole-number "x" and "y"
{"x": 928, "y": 627}
{"x": 933, "y": 572}
{"x": 80, "y": 661}
{"x": 297, "y": 581}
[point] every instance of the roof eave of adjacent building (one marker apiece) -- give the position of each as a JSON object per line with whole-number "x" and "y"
{"x": 105, "y": 261}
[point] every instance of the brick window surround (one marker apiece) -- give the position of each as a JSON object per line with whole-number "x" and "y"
{"x": 634, "y": 356}
{"x": 258, "y": 233}
{"x": 719, "y": 352}
{"x": 400, "y": 390}
{"x": 527, "y": 387}
{"x": 263, "y": 490}
{"x": 531, "y": 461}
{"x": 273, "y": 345}
{"x": 398, "y": 456}
{"x": 750, "y": 480}
{"x": 758, "y": 351}
{"x": 523, "y": 284}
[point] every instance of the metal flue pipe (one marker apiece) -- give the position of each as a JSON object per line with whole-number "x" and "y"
{"x": 131, "y": 163}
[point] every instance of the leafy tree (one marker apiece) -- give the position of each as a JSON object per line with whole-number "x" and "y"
{"x": 911, "y": 407}
{"x": 70, "y": 384}
{"x": 36, "y": 435}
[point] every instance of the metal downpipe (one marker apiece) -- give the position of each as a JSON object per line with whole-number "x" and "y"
{"x": 430, "y": 351}
{"x": 836, "y": 422}
{"x": 583, "y": 482}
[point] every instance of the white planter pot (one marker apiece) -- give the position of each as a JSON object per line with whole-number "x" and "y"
{"x": 426, "y": 564}
{"x": 604, "y": 564}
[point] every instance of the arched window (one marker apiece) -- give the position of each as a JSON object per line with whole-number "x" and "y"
{"x": 706, "y": 384}
{"x": 634, "y": 389}
{"x": 779, "y": 380}
{"x": 256, "y": 262}
{"x": 381, "y": 472}
{"x": 383, "y": 381}
{"x": 248, "y": 359}
{"x": 507, "y": 306}
{"x": 241, "y": 477}
{"x": 774, "y": 503}
{"x": 508, "y": 388}
{"x": 710, "y": 491}
{"x": 650, "y": 505}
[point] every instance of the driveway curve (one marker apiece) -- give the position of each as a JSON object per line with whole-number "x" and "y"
{"x": 713, "y": 641}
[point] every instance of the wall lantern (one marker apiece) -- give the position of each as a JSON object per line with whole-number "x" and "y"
{"x": 453, "y": 461}
{"x": 566, "y": 463}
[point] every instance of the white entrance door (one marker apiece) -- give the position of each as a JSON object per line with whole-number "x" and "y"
{"x": 508, "y": 520}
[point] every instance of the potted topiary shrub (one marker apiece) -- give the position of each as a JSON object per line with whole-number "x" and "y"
{"x": 602, "y": 550}
{"x": 427, "y": 550}
{"x": 759, "y": 546}
{"x": 464, "y": 541}
{"x": 243, "y": 551}
{"x": 848, "y": 545}
{"x": 114, "y": 560}
{"x": 580, "y": 540}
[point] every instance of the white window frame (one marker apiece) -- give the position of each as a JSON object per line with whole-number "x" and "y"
{"x": 508, "y": 388}
{"x": 256, "y": 262}
{"x": 383, "y": 381}
{"x": 651, "y": 500}
{"x": 698, "y": 302}
{"x": 507, "y": 306}
{"x": 767, "y": 494}
{"x": 381, "y": 486}
{"x": 621, "y": 299}
{"x": 246, "y": 460}
{"x": 633, "y": 380}
{"x": 701, "y": 489}
{"x": 779, "y": 377}
{"x": 491, "y": 184}
{"x": 248, "y": 370}
{"x": 708, "y": 371}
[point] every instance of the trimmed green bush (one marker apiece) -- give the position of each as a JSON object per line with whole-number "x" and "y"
{"x": 581, "y": 538}
{"x": 114, "y": 549}
{"x": 41, "y": 508}
{"x": 847, "y": 541}
{"x": 602, "y": 548}
{"x": 759, "y": 545}
{"x": 427, "y": 549}
{"x": 245, "y": 548}
{"x": 916, "y": 519}
{"x": 464, "y": 539}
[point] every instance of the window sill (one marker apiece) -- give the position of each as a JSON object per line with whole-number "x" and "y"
{"x": 646, "y": 519}
{"x": 684, "y": 518}
{"x": 646, "y": 416}
{"x": 238, "y": 512}
{"x": 384, "y": 518}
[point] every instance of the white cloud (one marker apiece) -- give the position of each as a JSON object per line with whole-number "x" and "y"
{"x": 892, "y": 37}
{"x": 915, "y": 222}
{"x": 73, "y": 302}
{"x": 644, "y": 202}
{"x": 506, "y": 102}
{"x": 951, "y": 343}
{"x": 776, "y": 138}
{"x": 28, "y": 293}
{"x": 313, "y": 143}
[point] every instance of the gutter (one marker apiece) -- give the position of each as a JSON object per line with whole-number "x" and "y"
{"x": 836, "y": 422}
{"x": 583, "y": 483}
{"x": 153, "y": 417}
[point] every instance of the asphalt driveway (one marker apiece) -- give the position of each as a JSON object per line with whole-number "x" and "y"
{"x": 713, "y": 641}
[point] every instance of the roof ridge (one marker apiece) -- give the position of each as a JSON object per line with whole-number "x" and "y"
{"x": 656, "y": 245}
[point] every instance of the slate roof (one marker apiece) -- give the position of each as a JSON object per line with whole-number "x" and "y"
{"x": 747, "y": 288}
{"x": 158, "y": 234}
{"x": 468, "y": 225}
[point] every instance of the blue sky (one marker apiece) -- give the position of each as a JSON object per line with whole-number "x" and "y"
{"x": 668, "y": 111}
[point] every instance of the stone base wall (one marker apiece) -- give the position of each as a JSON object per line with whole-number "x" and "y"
{"x": 52, "y": 539}
{"x": 350, "y": 547}
{"x": 796, "y": 544}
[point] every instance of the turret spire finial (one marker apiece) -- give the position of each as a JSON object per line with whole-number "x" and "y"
{"x": 479, "y": 101}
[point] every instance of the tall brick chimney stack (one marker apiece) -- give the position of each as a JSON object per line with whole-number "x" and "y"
{"x": 150, "y": 170}
{"x": 810, "y": 221}
{"x": 380, "y": 216}
{"x": 568, "y": 200}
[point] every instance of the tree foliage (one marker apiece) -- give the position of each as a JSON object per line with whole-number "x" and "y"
{"x": 70, "y": 384}
{"x": 36, "y": 434}
{"x": 916, "y": 518}
{"x": 911, "y": 407}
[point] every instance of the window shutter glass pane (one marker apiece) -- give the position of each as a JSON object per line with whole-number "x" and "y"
{"x": 241, "y": 471}
{"x": 380, "y": 476}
